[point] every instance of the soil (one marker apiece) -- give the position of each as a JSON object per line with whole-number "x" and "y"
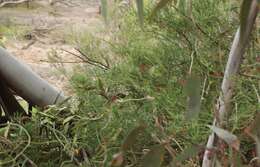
{"x": 49, "y": 27}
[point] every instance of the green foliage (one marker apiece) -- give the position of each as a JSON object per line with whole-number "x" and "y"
{"x": 159, "y": 68}
{"x": 148, "y": 81}
{"x": 10, "y": 31}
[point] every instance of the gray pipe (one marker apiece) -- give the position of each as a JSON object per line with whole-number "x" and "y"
{"x": 27, "y": 83}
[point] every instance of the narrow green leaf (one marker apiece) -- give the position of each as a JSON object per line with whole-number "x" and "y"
{"x": 182, "y": 5}
{"x": 140, "y": 11}
{"x": 228, "y": 137}
{"x": 101, "y": 85}
{"x": 161, "y": 4}
{"x": 244, "y": 13}
{"x": 193, "y": 93}
{"x": 131, "y": 138}
{"x": 154, "y": 157}
{"x": 104, "y": 10}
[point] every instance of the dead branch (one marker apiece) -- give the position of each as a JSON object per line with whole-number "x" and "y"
{"x": 29, "y": 45}
{"x": 67, "y": 3}
{"x": 13, "y": 2}
{"x": 91, "y": 60}
{"x": 63, "y": 62}
{"x": 86, "y": 59}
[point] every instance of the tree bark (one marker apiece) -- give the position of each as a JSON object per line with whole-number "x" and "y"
{"x": 223, "y": 106}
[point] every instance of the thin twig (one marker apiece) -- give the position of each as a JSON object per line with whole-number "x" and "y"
{"x": 249, "y": 76}
{"x": 29, "y": 44}
{"x": 91, "y": 60}
{"x": 65, "y": 62}
{"x": 257, "y": 94}
{"x": 12, "y": 2}
{"x": 86, "y": 60}
{"x": 21, "y": 153}
{"x": 203, "y": 89}
{"x": 29, "y": 161}
{"x": 191, "y": 64}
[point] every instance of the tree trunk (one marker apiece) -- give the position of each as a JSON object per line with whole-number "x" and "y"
{"x": 223, "y": 106}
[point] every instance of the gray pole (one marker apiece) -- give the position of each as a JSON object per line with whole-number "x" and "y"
{"x": 26, "y": 83}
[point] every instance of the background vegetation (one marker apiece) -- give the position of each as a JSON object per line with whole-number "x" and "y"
{"x": 131, "y": 107}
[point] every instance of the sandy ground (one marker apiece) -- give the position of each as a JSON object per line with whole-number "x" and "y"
{"x": 49, "y": 26}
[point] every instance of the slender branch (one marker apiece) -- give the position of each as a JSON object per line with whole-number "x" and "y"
{"x": 85, "y": 59}
{"x": 250, "y": 76}
{"x": 91, "y": 60}
{"x": 12, "y": 2}
{"x": 63, "y": 62}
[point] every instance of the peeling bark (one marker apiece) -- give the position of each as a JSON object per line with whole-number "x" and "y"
{"x": 223, "y": 106}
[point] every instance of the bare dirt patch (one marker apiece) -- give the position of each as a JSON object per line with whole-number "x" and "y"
{"x": 46, "y": 34}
